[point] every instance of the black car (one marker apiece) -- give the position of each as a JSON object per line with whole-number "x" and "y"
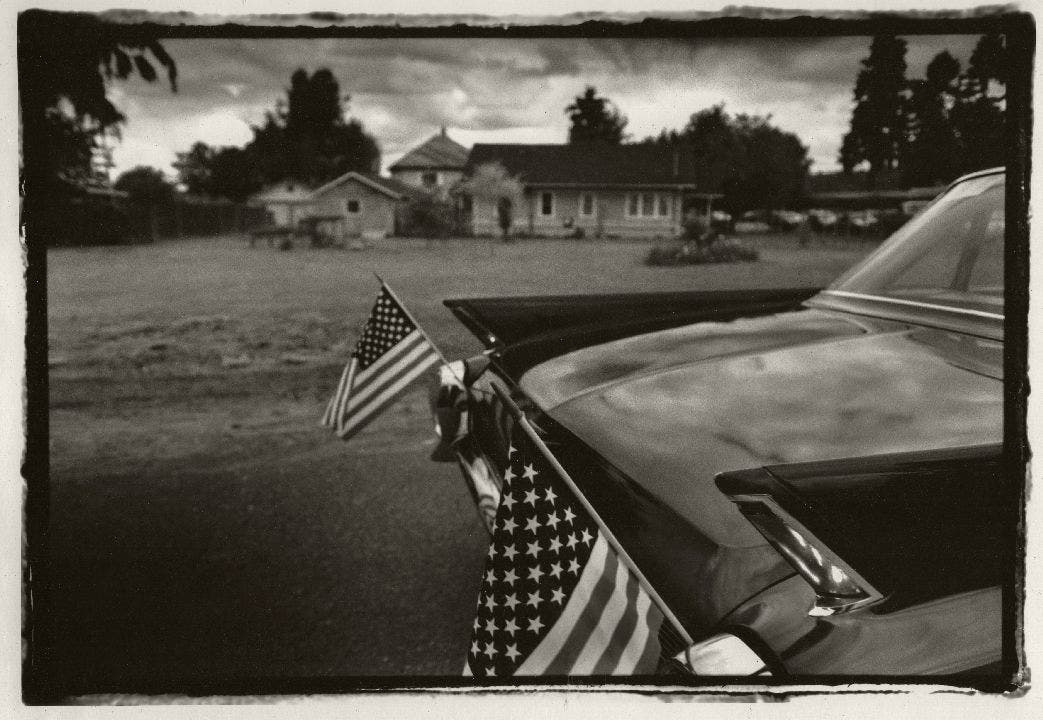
{"x": 810, "y": 479}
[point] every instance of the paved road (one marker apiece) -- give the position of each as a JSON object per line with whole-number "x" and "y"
{"x": 293, "y": 555}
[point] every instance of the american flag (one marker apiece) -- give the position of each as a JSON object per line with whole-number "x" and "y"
{"x": 392, "y": 353}
{"x": 556, "y": 599}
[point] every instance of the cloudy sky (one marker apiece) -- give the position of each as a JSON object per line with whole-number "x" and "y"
{"x": 504, "y": 91}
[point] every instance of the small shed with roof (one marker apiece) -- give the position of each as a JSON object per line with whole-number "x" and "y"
{"x": 369, "y": 204}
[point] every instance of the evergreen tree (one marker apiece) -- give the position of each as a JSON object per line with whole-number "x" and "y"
{"x": 595, "y": 120}
{"x": 932, "y": 153}
{"x": 878, "y": 121}
{"x": 979, "y": 114}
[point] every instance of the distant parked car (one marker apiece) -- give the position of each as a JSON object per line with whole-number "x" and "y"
{"x": 823, "y": 219}
{"x": 721, "y": 221}
{"x": 862, "y": 220}
{"x": 814, "y": 482}
{"x": 787, "y": 219}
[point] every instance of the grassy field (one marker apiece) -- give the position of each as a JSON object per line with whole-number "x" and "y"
{"x": 254, "y": 338}
{"x": 203, "y": 524}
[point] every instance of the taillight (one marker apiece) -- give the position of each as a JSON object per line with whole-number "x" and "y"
{"x": 838, "y": 588}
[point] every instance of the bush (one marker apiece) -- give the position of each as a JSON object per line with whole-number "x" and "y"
{"x": 428, "y": 217}
{"x": 719, "y": 251}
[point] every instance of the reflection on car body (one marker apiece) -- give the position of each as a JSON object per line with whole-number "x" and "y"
{"x": 814, "y": 477}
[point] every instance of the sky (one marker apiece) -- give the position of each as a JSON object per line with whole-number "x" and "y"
{"x": 404, "y": 90}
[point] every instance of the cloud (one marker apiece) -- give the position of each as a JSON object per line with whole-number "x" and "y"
{"x": 403, "y": 90}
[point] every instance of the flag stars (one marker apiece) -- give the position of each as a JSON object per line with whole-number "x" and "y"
{"x": 574, "y": 566}
{"x": 549, "y": 495}
{"x": 553, "y": 520}
{"x": 511, "y": 600}
{"x": 587, "y": 537}
{"x": 509, "y": 525}
{"x": 555, "y": 544}
{"x": 490, "y": 671}
{"x": 529, "y": 473}
{"x": 534, "y": 548}
{"x": 535, "y": 573}
{"x": 569, "y": 515}
{"x": 508, "y": 474}
{"x": 532, "y": 525}
{"x": 490, "y": 649}
{"x": 508, "y": 501}
{"x": 475, "y": 648}
{"x": 512, "y": 651}
{"x": 535, "y": 625}
{"x": 492, "y": 550}
{"x": 491, "y": 626}
{"x": 557, "y": 596}
{"x": 534, "y": 598}
{"x": 530, "y": 497}
{"x": 509, "y": 577}
{"x": 571, "y": 542}
{"x": 555, "y": 570}
{"x": 490, "y": 602}
{"x": 511, "y": 627}
{"x": 509, "y": 552}
{"x": 490, "y": 575}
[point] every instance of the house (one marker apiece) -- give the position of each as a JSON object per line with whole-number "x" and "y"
{"x": 435, "y": 166}
{"x": 283, "y": 202}
{"x": 593, "y": 191}
{"x": 365, "y": 204}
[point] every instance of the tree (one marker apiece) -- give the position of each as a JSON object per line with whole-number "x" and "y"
{"x": 747, "y": 159}
{"x": 932, "y": 153}
{"x": 64, "y": 63}
{"x": 878, "y": 120}
{"x": 978, "y": 115}
{"x": 492, "y": 184}
{"x": 194, "y": 168}
{"x": 145, "y": 185}
{"x": 595, "y": 120}
{"x": 307, "y": 137}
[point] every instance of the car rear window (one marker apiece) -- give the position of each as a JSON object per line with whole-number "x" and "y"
{"x": 951, "y": 254}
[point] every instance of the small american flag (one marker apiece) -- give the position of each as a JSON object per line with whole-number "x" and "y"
{"x": 391, "y": 354}
{"x": 555, "y": 598}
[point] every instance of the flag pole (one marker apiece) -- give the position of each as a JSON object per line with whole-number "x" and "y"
{"x": 445, "y": 361}
{"x": 624, "y": 556}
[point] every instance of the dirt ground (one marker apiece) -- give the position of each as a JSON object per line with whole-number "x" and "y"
{"x": 205, "y": 525}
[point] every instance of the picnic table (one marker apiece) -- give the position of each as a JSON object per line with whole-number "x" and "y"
{"x": 313, "y": 228}
{"x": 271, "y": 233}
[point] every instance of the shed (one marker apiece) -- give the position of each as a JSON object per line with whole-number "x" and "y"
{"x": 283, "y": 201}
{"x": 368, "y": 203}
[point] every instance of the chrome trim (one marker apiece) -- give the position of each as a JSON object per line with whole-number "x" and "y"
{"x": 824, "y": 605}
{"x": 913, "y": 303}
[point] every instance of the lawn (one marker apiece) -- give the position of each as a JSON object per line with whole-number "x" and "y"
{"x": 206, "y": 338}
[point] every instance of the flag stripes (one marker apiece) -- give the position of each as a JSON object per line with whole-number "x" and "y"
{"x": 599, "y": 632}
{"x": 390, "y": 355}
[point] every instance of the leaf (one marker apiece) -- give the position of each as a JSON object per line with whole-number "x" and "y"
{"x": 145, "y": 69}
{"x": 123, "y": 64}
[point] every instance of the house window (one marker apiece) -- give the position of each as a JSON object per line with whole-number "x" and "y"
{"x": 586, "y": 204}
{"x": 430, "y": 179}
{"x": 353, "y": 207}
{"x": 546, "y": 203}
{"x": 648, "y": 205}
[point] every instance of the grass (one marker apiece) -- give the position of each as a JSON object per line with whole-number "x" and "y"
{"x": 194, "y": 306}
{"x": 209, "y": 349}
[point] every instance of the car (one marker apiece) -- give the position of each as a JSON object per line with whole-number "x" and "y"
{"x": 862, "y": 220}
{"x": 812, "y": 478}
{"x": 822, "y": 219}
{"x": 787, "y": 219}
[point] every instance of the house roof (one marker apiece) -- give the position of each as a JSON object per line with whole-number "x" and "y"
{"x": 602, "y": 165}
{"x": 439, "y": 152}
{"x": 386, "y": 185}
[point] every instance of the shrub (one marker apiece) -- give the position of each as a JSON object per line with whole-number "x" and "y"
{"x": 719, "y": 251}
{"x": 428, "y": 217}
